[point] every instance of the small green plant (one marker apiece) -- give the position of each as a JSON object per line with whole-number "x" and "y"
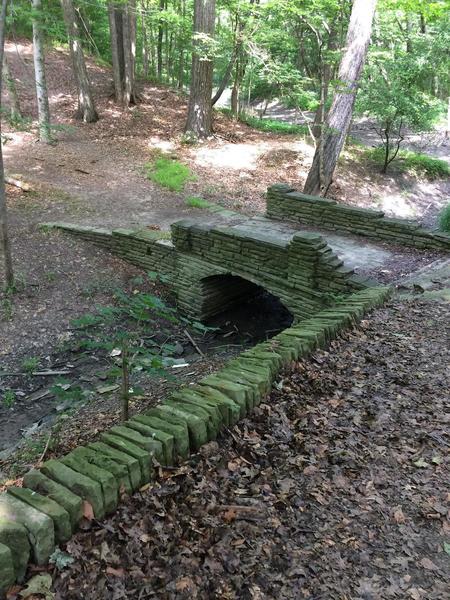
{"x": 197, "y": 202}
{"x": 29, "y": 365}
{"x": 9, "y": 398}
{"x": 7, "y": 308}
{"x": 169, "y": 173}
{"x": 444, "y": 219}
{"x": 413, "y": 162}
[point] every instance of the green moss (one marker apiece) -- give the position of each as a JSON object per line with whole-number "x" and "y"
{"x": 444, "y": 219}
{"x": 169, "y": 173}
{"x": 196, "y": 202}
{"x": 414, "y": 163}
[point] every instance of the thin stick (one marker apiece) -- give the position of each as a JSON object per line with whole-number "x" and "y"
{"x": 41, "y": 458}
{"x": 193, "y": 342}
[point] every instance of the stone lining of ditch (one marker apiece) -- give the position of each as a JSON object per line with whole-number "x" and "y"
{"x": 48, "y": 509}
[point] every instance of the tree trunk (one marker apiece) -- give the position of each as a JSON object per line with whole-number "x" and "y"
{"x": 86, "y": 107}
{"x": 339, "y": 116}
{"x": 144, "y": 43}
{"x": 16, "y": 113}
{"x": 199, "y": 118}
{"x": 122, "y": 26}
{"x": 39, "y": 73}
{"x": 159, "y": 48}
{"x": 5, "y": 246}
{"x": 229, "y": 69}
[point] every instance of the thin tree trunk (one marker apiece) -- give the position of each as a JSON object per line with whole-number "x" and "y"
{"x": 229, "y": 69}
{"x": 116, "y": 50}
{"x": 4, "y": 236}
{"x": 86, "y": 107}
{"x": 199, "y": 118}
{"x": 129, "y": 50}
{"x": 144, "y": 42}
{"x": 159, "y": 47}
{"x": 339, "y": 117}
{"x": 16, "y": 113}
{"x": 39, "y": 73}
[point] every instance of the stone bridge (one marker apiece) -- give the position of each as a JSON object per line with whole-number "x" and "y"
{"x": 216, "y": 263}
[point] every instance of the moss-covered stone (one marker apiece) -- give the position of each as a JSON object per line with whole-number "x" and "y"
{"x": 192, "y": 397}
{"x": 197, "y": 428}
{"x": 58, "y": 514}
{"x": 198, "y": 411}
{"x": 153, "y": 447}
{"x": 158, "y": 420}
{"x": 15, "y": 537}
{"x": 164, "y": 438}
{"x": 240, "y": 394}
{"x": 122, "y": 458}
{"x": 79, "y": 484}
{"x": 39, "y": 527}
{"x": 117, "y": 469}
{"x": 230, "y": 410}
{"x": 7, "y": 575}
{"x": 124, "y": 445}
{"x": 107, "y": 481}
{"x": 72, "y": 503}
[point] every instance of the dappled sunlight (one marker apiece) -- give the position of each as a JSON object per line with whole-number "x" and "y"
{"x": 231, "y": 156}
{"x": 163, "y": 145}
{"x": 399, "y": 206}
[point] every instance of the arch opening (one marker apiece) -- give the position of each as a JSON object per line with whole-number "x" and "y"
{"x": 242, "y": 309}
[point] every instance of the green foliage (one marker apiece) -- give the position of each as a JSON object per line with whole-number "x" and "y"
{"x": 169, "y": 173}
{"x": 444, "y": 219}
{"x": 8, "y": 398}
{"x": 272, "y": 126}
{"x": 29, "y": 365}
{"x": 197, "y": 202}
{"x": 413, "y": 162}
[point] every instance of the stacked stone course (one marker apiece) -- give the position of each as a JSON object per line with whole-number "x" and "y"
{"x": 286, "y": 204}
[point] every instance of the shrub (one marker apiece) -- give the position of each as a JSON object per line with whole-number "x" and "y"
{"x": 197, "y": 202}
{"x": 413, "y": 162}
{"x": 169, "y": 173}
{"x": 444, "y": 219}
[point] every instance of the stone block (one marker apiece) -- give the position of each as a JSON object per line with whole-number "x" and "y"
{"x": 128, "y": 447}
{"x": 15, "y": 537}
{"x": 107, "y": 481}
{"x": 164, "y": 438}
{"x": 240, "y": 394}
{"x": 39, "y": 527}
{"x": 231, "y": 411}
{"x": 153, "y": 447}
{"x": 117, "y": 469}
{"x": 79, "y": 484}
{"x": 157, "y": 420}
{"x": 72, "y": 503}
{"x": 58, "y": 514}
{"x": 122, "y": 458}
{"x": 189, "y": 395}
{"x": 201, "y": 412}
{"x": 7, "y": 575}
{"x": 198, "y": 433}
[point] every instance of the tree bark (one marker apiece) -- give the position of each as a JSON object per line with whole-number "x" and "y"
{"x": 122, "y": 26}
{"x": 86, "y": 107}
{"x": 16, "y": 113}
{"x": 159, "y": 47}
{"x": 39, "y": 73}
{"x": 199, "y": 118}
{"x": 5, "y": 245}
{"x": 339, "y": 116}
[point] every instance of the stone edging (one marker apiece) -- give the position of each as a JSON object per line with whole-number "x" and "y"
{"x": 35, "y": 519}
{"x": 285, "y": 203}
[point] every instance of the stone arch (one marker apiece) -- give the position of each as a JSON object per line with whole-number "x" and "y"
{"x": 221, "y": 292}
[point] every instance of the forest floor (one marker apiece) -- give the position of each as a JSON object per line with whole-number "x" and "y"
{"x": 335, "y": 488}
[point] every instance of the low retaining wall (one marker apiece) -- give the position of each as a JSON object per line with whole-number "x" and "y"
{"x": 35, "y": 519}
{"x": 285, "y": 203}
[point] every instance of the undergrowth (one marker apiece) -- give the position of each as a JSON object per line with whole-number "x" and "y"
{"x": 269, "y": 125}
{"x": 413, "y": 162}
{"x": 169, "y": 173}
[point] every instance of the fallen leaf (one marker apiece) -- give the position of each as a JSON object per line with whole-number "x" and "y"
{"x": 115, "y": 572}
{"x": 88, "y": 511}
{"x": 428, "y": 564}
{"x": 39, "y": 584}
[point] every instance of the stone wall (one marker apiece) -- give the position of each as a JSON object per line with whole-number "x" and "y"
{"x": 47, "y": 510}
{"x": 284, "y": 203}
